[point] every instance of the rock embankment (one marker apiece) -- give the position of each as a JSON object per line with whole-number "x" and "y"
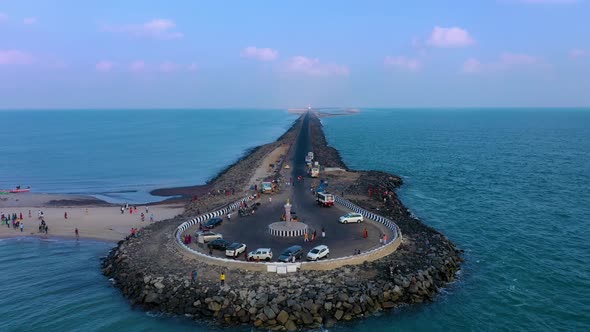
{"x": 154, "y": 273}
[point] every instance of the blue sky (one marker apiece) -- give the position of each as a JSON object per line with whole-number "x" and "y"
{"x": 277, "y": 54}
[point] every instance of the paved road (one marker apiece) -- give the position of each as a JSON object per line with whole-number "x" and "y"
{"x": 341, "y": 239}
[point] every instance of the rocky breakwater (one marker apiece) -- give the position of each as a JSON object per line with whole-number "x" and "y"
{"x": 156, "y": 274}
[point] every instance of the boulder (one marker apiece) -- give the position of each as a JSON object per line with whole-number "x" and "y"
{"x": 159, "y": 285}
{"x": 307, "y": 318}
{"x": 283, "y": 317}
{"x": 387, "y": 305}
{"x": 338, "y": 314}
{"x": 290, "y": 325}
{"x": 214, "y": 306}
{"x": 269, "y": 313}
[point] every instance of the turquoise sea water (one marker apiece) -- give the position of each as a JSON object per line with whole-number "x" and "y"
{"x": 120, "y": 155}
{"x": 508, "y": 186}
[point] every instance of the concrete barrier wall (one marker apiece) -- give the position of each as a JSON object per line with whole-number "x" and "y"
{"x": 327, "y": 264}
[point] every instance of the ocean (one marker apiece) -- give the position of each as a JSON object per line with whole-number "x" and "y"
{"x": 121, "y": 155}
{"x": 509, "y": 186}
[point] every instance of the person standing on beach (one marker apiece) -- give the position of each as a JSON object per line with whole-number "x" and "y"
{"x": 22, "y": 226}
{"x": 21, "y": 216}
{"x": 66, "y": 215}
{"x": 152, "y": 217}
{"x": 147, "y": 209}
{"x": 77, "y": 235}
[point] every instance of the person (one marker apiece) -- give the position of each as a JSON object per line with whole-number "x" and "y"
{"x": 29, "y": 213}
{"x": 147, "y": 209}
{"x": 21, "y": 216}
{"x": 323, "y": 232}
{"x": 381, "y": 239}
{"x": 152, "y": 217}
{"x": 22, "y": 226}
{"x": 65, "y": 215}
{"x": 131, "y": 211}
{"x": 305, "y": 238}
{"x": 77, "y": 234}
{"x": 133, "y": 232}
{"x": 315, "y": 234}
{"x": 365, "y": 234}
{"x": 228, "y": 216}
{"x": 222, "y": 279}
{"x": 122, "y": 209}
{"x": 293, "y": 258}
{"x": 194, "y": 276}
{"x": 384, "y": 239}
{"x": 142, "y": 217}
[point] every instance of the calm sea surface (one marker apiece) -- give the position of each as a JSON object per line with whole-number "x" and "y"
{"x": 511, "y": 187}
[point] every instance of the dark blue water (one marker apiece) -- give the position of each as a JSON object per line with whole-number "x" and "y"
{"x": 508, "y": 186}
{"x": 121, "y": 155}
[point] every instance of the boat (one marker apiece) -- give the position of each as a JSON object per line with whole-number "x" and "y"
{"x": 17, "y": 190}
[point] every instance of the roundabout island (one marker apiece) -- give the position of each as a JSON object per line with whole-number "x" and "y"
{"x": 160, "y": 270}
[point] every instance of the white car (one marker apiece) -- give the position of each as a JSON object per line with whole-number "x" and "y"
{"x": 351, "y": 217}
{"x": 260, "y": 254}
{"x": 207, "y": 236}
{"x": 234, "y": 249}
{"x": 318, "y": 252}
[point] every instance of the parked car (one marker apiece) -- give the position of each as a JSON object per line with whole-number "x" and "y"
{"x": 318, "y": 252}
{"x": 234, "y": 249}
{"x": 219, "y": 244}
{"x": 208, "y": 236}
{"x": 213, "y": 222}
{"x": 263, "y": 254}
{"x": 287, "y": 255}
{"x": 351, "y": 217}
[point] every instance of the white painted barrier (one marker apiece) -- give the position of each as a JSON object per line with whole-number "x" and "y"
{"x": 284, "y": 267}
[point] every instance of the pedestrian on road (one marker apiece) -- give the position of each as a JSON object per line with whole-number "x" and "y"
{"x": 365, "y": 234}
{"x": 228, "y": 216}
{"x": 270, "y": 199}
{"x": 384, "y": 239}
{"x": 323, "y": 232}
{"x": 305, "y": 238}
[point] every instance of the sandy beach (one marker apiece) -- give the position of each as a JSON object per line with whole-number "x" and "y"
{"x": 94, "y": 218}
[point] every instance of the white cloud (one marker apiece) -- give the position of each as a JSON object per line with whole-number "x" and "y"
{"x": 169, "y": 67}
{"x": 450, "y": 37}
{"x": 262, "y": 54}
{"x": 402, "y": 62}
{"x": 472, "y": 66}
{"x": 579, "y": 53}
{"x": 314, "y": 67}
{"x": 15, "y": 57}
{"x": 105, "y": 66}
{"x": 29, "y": 20}
{"x": 506, "y": 61}
{"x": 192, "y": 67}
{"x": 137, "y": 66}
{"x": 156, "y": 28}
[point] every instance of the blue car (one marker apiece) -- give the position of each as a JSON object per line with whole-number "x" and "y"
{"x": 213, "y": 222}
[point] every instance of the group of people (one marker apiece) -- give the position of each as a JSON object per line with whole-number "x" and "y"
{"x": 133, "y": 209}
{"x": 14, "y": 219}
{"x": 187, "y": 239}
{"x": 313, "y": 237}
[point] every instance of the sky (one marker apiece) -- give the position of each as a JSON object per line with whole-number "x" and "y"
{"x": 279, "y": 54}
